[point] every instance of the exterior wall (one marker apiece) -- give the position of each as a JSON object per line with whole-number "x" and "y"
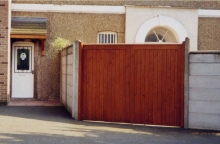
{"x": 209, "y": 34}
{"x": 70, "y": 26}
{"x": 4, "y": 17}
{"x": 172, "y": 3}
{"x": 204, "y": 90}
{"x": 137, "y": 16}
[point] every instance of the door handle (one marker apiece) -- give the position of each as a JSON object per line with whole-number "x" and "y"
{"x": 32, "y": 71}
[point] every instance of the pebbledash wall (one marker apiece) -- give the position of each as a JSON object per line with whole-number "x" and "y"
{"x": 70, "y": 26}
{"x": 4, "y": 50}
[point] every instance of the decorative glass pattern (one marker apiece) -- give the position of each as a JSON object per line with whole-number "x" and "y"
{"x": 23, "y": 59}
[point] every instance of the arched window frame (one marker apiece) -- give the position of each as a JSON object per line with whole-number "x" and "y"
{"x": 161, "y": 20}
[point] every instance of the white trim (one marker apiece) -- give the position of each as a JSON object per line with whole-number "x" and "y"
{"x": 209, "y": 13}
{"x": 90, "y": 9}
{"x": 68, "y": 8}
{"x": 165, "y": 21}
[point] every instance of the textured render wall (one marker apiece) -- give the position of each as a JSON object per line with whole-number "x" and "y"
{"x": 72, "y": 27}
{"x": 3, "y": 50}
{"x": 204, "y": 91}
{"x": 174, "y": 3}
{"x": 209, "y": 34}
{"x": 137, "y": 16}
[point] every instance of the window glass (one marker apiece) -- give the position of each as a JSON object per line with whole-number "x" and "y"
{"x": 23, "y": 59}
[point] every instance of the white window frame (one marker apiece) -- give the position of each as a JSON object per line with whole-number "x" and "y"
{"x": 108, "y": 37}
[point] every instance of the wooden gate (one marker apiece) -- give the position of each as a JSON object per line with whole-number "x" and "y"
{"x": 141, "y": 84}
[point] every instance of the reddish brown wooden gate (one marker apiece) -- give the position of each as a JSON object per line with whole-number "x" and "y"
{"x": 141, "y": 84}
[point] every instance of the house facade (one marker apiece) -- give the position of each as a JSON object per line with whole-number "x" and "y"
{"x": 30, "y": 67}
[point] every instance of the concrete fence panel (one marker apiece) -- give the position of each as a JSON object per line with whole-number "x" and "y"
{"x": 204, "y": 90}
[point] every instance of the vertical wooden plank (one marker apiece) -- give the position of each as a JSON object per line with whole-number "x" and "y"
{"x": 88, "y": 86}
{"x": 113, "y": 81}
{"x": 137, "y": 86}
{"x": 132, "y": 77}
{"x": 93, "y": 86}
{"x": 143, "y": 59}
{"x": 159, "y": 86}
{"x": 147, "y": 85}
{"x": 108, "y": 99}
{"x": 172, "y": 81}
{"x": 182, "y": 83}
{"x": 120, "y": 87}
{"x": 123, "y": 83}
{"x": 97, "y": 86}
{"x": 155, "y": 85}
{"x": 168, "y": 88}
{"x": 175, "y": 62}
{"x": 101, "y": 84}
{"x": 117, "y": 86}
{"x": 179, "y": 87}
{"x": 128, "y": 83}
{"x": 151, "y": 74}
{"x": 106, "y": 89}
{"x": 94, "y": 101}
{"x": 163, "y": 90}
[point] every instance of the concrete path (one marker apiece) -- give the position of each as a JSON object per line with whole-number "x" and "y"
{"x": 41, "y": 125}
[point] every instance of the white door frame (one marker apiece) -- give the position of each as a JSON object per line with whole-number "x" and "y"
{"x": 22, "y": 80}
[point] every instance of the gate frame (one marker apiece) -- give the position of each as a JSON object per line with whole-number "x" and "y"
{"x": 77, "y": 83}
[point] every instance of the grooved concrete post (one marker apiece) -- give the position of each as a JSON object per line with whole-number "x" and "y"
{"x": 75, "y": 79}
{"x": 186, "y": 84}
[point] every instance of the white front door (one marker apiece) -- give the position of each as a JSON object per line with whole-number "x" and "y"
{"x": 22, "y": 70}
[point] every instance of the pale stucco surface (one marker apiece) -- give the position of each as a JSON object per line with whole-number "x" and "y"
{"x": 137, "y": 16}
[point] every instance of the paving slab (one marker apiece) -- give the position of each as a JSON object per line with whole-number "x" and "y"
{"x": 38, "y": 125}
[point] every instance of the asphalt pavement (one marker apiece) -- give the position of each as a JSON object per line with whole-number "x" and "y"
{"x": 54, "y": 125}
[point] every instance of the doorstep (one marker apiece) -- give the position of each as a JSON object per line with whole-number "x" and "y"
{"x": 33, "y": 102}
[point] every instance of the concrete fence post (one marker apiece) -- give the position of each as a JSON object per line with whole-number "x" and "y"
{"x": 75, "y": 79}
{"x": 186, "y": 84}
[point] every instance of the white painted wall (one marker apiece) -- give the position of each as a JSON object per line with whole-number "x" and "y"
{"x": 204, "y": 91}
{"x": 137, "y": 16}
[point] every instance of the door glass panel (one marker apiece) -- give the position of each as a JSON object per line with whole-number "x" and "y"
{"x": 23, "y": 59}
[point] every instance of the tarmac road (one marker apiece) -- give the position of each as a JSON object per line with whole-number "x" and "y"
{"x": 45, "y": 125}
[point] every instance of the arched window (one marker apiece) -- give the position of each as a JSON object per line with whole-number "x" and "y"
{"x": 160, "y": 24}
{"x": 107, "y": 37}
{"x": 160, "y": 34}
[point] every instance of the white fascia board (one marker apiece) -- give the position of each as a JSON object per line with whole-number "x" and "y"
{"x": 68, "y": 8}
{"x": 209, "y": 13}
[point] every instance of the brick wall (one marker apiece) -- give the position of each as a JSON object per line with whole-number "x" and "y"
{"x": 3, "y": 50}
